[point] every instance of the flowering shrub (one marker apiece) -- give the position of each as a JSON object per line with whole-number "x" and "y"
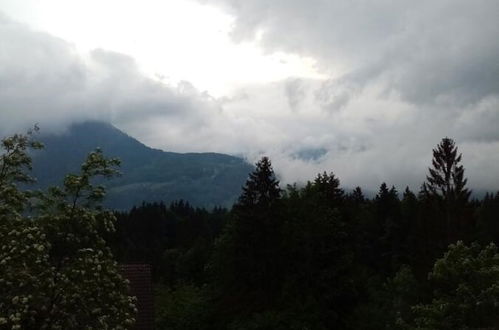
{"x": 56, "y": 271}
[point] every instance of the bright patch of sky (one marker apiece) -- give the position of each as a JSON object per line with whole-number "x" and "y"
{"x": 172, "y": 40}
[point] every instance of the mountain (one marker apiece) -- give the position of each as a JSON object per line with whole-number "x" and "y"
{"x": 203, "y": 179}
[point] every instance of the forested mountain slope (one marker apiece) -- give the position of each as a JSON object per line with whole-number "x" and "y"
{"x": 204, "y": 179}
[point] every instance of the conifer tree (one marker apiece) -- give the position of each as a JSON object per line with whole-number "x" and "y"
{"x": 262, "y": 186}
{"x": 446, "y": 185}
{"x": 357, "y": 195}
{"x": 446, "y": 177}
{"x": 387, "y": 208}
{"x": 246, "y": 262}
{"x": 328, "y": 187}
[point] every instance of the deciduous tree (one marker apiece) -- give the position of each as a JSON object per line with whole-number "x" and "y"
{"x": 56, "y": 271}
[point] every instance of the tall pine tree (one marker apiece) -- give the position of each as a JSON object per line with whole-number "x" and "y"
{"x": 446, "y": 177}
{"x": 262, "y": 187}
{"x": 446, "y": 185}
{"x": 247, "y": 262}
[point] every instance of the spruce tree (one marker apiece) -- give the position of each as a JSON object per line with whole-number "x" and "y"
{"x": 246, "y": 262}
{"x": 446, "y": 177}
{"x": 387, "y": 213}
{"x": 357, "y": 195}
{"x": 446, "y": 185}
{"x": 328, "y": 188}
{"x": 262, "y": 187}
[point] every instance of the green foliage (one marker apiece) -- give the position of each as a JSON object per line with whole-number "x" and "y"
{"x": 314, "y": 257}
{"x": 327, "y": 187}
{"x": 175, "y": 240}
{"x": 181, "y": 308}
{"x": 319, "y": 288}
{"x": 15, "y": 164}
{"x": 285, "y": 262}
{"x": 246, "y": 251}
{"x": 56, "y": 270}
{"x": 465, "y": 286}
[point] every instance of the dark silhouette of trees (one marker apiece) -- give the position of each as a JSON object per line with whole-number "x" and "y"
{"x": 357, "y": 196}
{"x": 262, "y": 187}
{"x": 315, "y": 257}
{"x": 246, "y": 264}
{"x": 318, "y": 251}
{"x": 327, "y": 187}
{"x": 446, "y": 177}
{"x": 488, "y": 219}
{"x": 446, "y": 186}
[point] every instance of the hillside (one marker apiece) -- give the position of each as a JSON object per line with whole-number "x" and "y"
{"x": 204, "y": 179}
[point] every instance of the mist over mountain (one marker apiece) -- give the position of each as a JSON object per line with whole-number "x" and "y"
{"x": 203, "y": 179}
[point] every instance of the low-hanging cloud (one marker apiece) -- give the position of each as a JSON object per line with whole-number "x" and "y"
{"x": 402, "y": 75}
{"x": 44, "y": 80}
{"x": 399, "y": 82}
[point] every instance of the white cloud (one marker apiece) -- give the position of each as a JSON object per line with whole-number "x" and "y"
{"x": 427, "y": 51}
{"x": 44, "y": 80}
{"x": 176, "y": 39}
{"x": 402, "y": 76}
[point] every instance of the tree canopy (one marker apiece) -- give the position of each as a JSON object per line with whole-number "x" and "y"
{"x": 56, "y": 269}
{"x": 446, "y": 176}
{"x": 313, "y": 256}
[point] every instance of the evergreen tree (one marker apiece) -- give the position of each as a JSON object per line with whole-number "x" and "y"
{"x": 413, "y": 231}
{"x": 246, "y": 263}
{"x": 357, "y": 196}
{"x": 446, "y": 177}
{"x": 319, "y": 290}
{"x": 446, "y": 185}
{"x": 387, "y": 211}
{"x": 488, "y": 219}
{"x": 261, "y": 188}
{"x": 328, "y": 188}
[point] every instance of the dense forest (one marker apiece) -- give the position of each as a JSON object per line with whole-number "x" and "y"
{"x": 309, "y": 257}
{"x": 319, "y": 257}
{"x": 147, "y": 174}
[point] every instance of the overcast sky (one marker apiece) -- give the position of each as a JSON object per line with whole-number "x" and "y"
{"x": 362, "y": 88}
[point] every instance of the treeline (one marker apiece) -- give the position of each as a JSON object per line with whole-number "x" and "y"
{"x": 318, "y": 257}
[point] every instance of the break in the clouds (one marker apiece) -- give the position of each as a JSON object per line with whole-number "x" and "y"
{"x": 395, "y": 77}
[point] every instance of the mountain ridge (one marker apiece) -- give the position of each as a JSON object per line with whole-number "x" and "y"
{"x": 204, "y": 179}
